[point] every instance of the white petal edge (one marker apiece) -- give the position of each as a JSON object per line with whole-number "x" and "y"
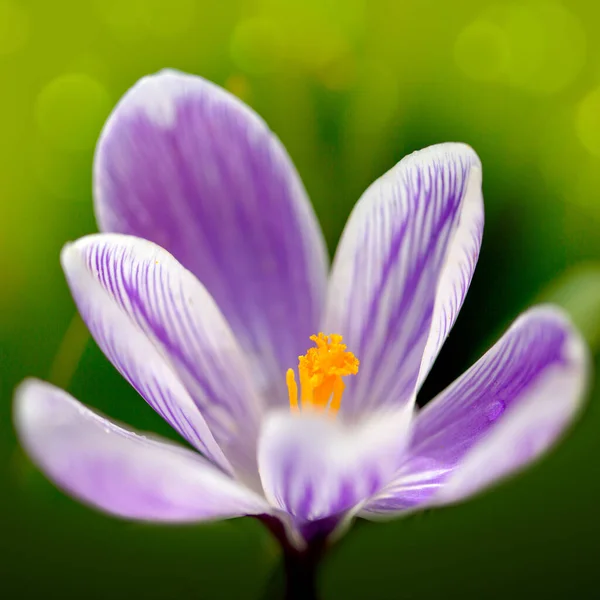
{"x": 118, "y": 471}
{"x": 105, "y": 272}
{"x": 531, "y": 428}
{"x": 456, "y": 274}
{"x": 257, "y": 181}
{"x": 399, "y": 265}
{"x": 314, "y": 467}
{"x": 524, "y": 432}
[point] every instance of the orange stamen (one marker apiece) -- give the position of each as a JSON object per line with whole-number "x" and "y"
{"x": 320, "y": 371}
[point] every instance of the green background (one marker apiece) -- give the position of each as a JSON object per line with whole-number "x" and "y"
{"x": 350, "y": 86}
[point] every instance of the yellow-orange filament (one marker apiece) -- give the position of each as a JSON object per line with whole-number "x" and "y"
{"x": 320, "y": 372}
{"x": 292, "y": 390}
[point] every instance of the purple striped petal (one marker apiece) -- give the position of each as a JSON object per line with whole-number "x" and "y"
{"x": 402, "y": 270}
{"x": 457, "y": 272}
{"x": 315, "y": 467}
{"x": 164, "y": 333}
{"x": 183, "y": 163}
{"x": 118, "y": 471}
{"x": 500, "y": 415}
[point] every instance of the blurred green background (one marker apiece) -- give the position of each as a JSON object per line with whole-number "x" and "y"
{"x": 350, "y": 86}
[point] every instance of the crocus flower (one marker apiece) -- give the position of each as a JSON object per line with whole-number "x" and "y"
{"x": 294, "y": 387}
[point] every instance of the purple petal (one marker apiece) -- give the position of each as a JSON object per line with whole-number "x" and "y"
{"x": 315, "y": 467}
{"x": 500, "y": 415}
{"x": 402, "y": 270}
{"x": 164, "y": 333}
{"x": 119, "y": 471}
{"x": 455, "y": 277}
{"x": 183, "y": 163}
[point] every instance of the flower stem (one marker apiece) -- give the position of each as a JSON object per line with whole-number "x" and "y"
{"x": 296, "y": 576}
{"x": 301, "y": 574}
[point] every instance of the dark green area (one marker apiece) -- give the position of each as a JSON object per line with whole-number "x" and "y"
{"x": 350, "y": 86}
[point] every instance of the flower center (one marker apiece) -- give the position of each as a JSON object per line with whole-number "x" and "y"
{"x": 321, "y": 370}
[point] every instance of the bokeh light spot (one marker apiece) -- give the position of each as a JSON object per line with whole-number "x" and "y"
{"x": 583, "y": 187}
{"x": 587, "y": 122}
{"x": 62, "y": 174}
{"x": 374, "y": 109}
{"x": 548, "y": 46}
{"x": 168, "y": 18}
{"x": 133, "y": 20}
{"x": 341, "y": 74}
{"x": 124, "y": 19}
{"x": 482, "y": 50}
{"x": 537, "y": 46}
{"x": 577, "y": 290}
{"x": 256, "y": 46}
{"x": 71, "y": 109}
{"x": 239, "y": 86}
{"x": 14, "y": 27}
{"x": 91, "y": 64}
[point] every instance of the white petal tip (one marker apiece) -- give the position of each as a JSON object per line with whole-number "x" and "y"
{"x": 156, "y": 95}
{"x": 576, "y": 351}
{"x": 68, "y": 253}
{"x": 447, "y": 150}
{"x": 30, "y": 403}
